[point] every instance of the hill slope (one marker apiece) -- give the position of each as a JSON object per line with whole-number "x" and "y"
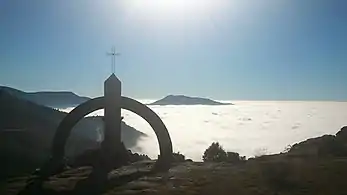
{"x": 61, "y": 99}
{"x": 27, "y": 130}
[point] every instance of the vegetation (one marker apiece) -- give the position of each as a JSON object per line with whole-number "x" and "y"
{"x": 178, "y": 157}
{"x": 216, "y": 153}
{"x": 313, "y": 167}
{"x": 234, "y": 157}
{"x": 316, "y": 166}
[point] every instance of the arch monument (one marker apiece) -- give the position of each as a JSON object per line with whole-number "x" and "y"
{"x": 112, "y": 102}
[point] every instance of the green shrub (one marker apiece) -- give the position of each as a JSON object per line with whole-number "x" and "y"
{"x": 215, "y": 153}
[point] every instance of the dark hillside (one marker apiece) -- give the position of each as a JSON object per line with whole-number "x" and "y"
{"x": 27, "y": 130}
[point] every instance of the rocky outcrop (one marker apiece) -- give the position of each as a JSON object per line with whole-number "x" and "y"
{"x": 341, "y": 136}
{"x": 322, "y": 147}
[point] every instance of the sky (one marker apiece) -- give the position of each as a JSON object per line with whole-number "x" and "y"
{"x": 226, "y": 50}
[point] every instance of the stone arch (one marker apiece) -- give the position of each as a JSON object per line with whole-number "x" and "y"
{"x": 65, "y": 127}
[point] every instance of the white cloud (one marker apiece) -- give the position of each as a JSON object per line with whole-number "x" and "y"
{"x": 245, "y": 127}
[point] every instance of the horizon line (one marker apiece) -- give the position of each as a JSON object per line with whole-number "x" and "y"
{"x": 220, "y": 100}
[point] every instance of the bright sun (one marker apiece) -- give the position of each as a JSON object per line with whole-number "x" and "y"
{"x": 167, "y": 6}
{"x": 172, "y": 9}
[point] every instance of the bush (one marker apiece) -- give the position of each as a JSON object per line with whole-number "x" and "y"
{"x": 135, "y": 157}
{"x": 215, "y": 153}
{"x": 233, "y": 157}
{"x": 178, "y": 157}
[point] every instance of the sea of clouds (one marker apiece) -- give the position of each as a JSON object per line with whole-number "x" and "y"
{"x": 247, "y": 127}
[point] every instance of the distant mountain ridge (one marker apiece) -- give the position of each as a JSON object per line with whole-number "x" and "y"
{"x": 58, "y": 99}
{"x": 186, "y": 100}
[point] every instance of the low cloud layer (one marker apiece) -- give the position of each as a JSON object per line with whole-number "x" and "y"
{"x": 248, "y": 127}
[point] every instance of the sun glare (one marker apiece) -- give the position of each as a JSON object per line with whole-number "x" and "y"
{"x": 171, "y": 9}
{"x": 167, "y": 6}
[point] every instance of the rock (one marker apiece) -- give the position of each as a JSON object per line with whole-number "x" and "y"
{"x": 342, "y": 134}
{"x": 322, "y": 147}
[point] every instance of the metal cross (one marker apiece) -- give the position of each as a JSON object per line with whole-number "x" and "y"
{"x": 113, "y": 53}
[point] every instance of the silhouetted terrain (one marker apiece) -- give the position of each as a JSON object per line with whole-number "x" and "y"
{"x": 61, "y": 99}
{"x": 317, "y": 166}
{"x": 27, "y": 130}
{"x": 185, "y": 100}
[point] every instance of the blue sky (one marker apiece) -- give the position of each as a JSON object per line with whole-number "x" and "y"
{"x": 244, "y": 50}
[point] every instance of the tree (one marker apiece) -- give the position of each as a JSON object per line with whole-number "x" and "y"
{"x": 215, "y": 153}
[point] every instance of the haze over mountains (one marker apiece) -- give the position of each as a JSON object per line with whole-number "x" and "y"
{"x": 27, "y": 130}
{"x": 65, "y": 99}
{"x": 59, "y": 99}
